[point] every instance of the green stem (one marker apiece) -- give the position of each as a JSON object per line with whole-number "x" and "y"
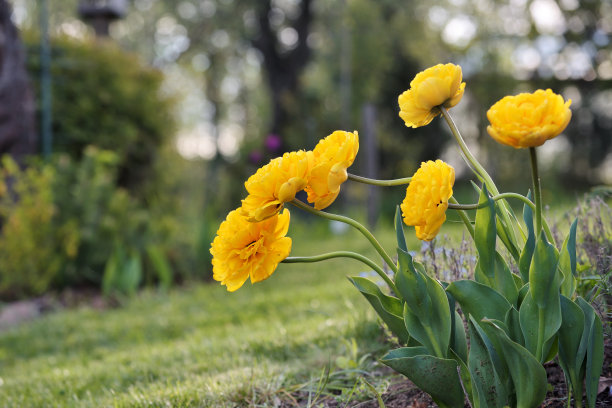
{"x": 464, "y": 217}
{"x": 384, "y": 183}
{"x": 352, "y": 223}
{"x": 537, "y": 191}
{"x": 495, "y": 198}
{"x": 467, "y": 155}
{"x": 345, "y": 254}
{"x": 479, "y": 170}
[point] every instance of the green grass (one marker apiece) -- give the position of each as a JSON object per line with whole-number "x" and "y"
{"x": 199, "y": 345}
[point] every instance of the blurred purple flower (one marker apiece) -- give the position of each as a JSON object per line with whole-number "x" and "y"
{"x": 273, "y": 142}
{"x": 255, "y": 157}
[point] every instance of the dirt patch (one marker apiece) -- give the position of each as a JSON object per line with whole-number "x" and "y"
{"x": 14, "y": 313}
{"x": 404, "y": 394}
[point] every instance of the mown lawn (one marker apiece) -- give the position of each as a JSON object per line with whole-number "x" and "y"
{"x": 199, "y": 345}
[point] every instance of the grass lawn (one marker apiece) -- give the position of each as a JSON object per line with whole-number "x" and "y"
{"x": 200, "y": 345}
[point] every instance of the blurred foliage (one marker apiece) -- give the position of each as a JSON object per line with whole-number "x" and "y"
{"x": 108, "y": 98}
{"x": 31, "y": 248}
{"x": 66, "y": 223}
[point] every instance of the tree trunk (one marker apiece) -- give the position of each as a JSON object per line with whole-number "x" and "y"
{"x": 17, "y": 109}
{"x": 283, "y": 69}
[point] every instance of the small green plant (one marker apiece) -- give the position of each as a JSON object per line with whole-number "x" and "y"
{"x": 516, "y": 320}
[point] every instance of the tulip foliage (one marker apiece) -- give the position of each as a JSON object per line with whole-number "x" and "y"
{"x": 513, "y": 322}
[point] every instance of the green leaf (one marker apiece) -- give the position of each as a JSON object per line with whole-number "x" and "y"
{"x": 539, "y": 325}
{"x": 544, "y": 280}
{"x": 436, "y": 376}
{"x": 594, "y": 350}
{"x": 458, "y": 339}
{"x": 479, "y": 300}
{"x": 131, "y": 274}
{"x": 528, "y": 375}
{"x": 484, "y": 233}
{"x": 572, "y": 343}
{"x": 527, "y": 253}
{"x": 433, "y": 329}
{"x": 487, "y": 388}
{"x": 112, "y": 271}
{"x": 567, "y": 263}
{"x": 389, "y": 308}
{"x": 500, "y": 278}
{"x": 160, "y": 265}
{"x": 464, "y": 374}
{"x": 412, "y": 285}
{"x": 399, "y": 230}
{"x": 514, "y": 326}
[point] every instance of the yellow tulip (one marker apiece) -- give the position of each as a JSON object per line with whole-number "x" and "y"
{"x": 427, "y": 198}
{"x": 436, "y": 86}
{"x": 528, "y": 119}
{"x": 332, "y": 156}
{"x": 244, "y": 249}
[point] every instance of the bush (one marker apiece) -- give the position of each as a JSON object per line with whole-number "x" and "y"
{"x": 105, "y": 97}
{"x": 67, "y": 224}
{"x": 30, "y": 245}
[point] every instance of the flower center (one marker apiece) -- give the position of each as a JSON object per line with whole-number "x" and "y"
{"x": 251, "y": 249}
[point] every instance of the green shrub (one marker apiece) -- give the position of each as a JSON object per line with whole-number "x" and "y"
{"x": 108, "y": 98}
{"x": 67, "y": 224}
{"x": 31, "y": 248}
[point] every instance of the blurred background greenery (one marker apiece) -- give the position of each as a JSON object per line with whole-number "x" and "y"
{"x": 156, "y": 126}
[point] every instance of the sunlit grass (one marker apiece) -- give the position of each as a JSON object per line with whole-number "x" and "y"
{"x": 198, "y": 345}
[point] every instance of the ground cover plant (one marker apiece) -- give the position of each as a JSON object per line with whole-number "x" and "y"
{"x": 519, "y": 312}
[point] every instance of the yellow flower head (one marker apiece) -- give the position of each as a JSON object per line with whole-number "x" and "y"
{"x": 332, "y": 156}
{"x": 242, "y": 249}
{"x": 438, "y": 85}
{"x": 427, "y": 198}
{"x": 528, "y": 119}
{"x": 275, "y": 184}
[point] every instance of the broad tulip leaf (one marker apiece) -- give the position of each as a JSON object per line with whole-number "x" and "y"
{"x": 479, "y": 300}
{"x": 522, "y": 293}
{"x": 594, "y": 350}
{"x": 412, "y": 286}
{"x": 514, "y": 326}
{"x": 544, "y": 279}
{"x": 458, "y": 339}
{"x": 399, "y": 230}
{"x": 572, "y": 343}
{"x": 436, "y": 376}
{"x": 484, "y": 233}
{"x": 388, "y": 308}
{"x": 528, "y": 375}
{"x": 567, "y": 263}
{"x": 527, "y": 253}
{"x": 487, "y": 388}
{"x": 500, "y": 278}
{"x": 539, "y": 325}
{"x": 464, "y": 374}
{"x": 432, "y": 330}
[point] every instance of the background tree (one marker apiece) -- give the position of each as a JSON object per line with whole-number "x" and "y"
{"x": 17, "y": 134}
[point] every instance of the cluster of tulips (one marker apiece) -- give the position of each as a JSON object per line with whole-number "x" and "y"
{"x": 515, "y": 322}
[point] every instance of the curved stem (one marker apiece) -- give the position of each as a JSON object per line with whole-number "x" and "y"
{"x": 384, "y": 183}
{"x": 345, "y": 254}
{"x": 352, "y": 223}
{"x": 537, "y": 191}
{"x": 495, "y": 198}
{"x": 478, "y": 169}
{"x": 468, "y": 156}
{"x": 464, "y": 217}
